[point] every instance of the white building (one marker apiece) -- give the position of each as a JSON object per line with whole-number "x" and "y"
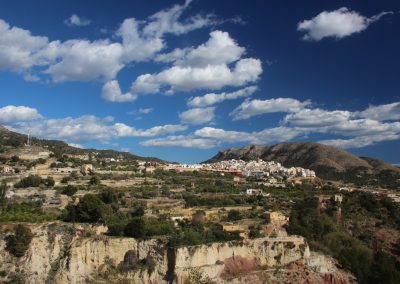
{"x": 252, "y": 191}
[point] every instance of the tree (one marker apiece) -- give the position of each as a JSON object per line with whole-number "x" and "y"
{"x": 108, "y": 196}
{"x": 14, "y": 159}
{"x": 383, "y": 270}
{"x": 49, "y": 181}
{"x": 234, "y": 215}
{"x": 90, "y": 209}
{"x": 69, "y": 190}
{"x": 30, "y": 181}
{"x": 94, "y": 180}
{"x": 254, "y": 233}
{"x": 135, "y": 228}
{"x": 139, "y": 212}
{"x": 3, "y": 190}
{"x": 18, "y": 243}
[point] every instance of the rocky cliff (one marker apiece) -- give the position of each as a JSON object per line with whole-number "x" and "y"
{"x": 61, "y": 253}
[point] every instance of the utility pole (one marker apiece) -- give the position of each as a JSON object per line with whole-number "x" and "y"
{"x": 28, "y": 143}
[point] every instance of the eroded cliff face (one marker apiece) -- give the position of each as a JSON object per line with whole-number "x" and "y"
{"x": 61, "y": 253}
{"x": 221, "y": 260}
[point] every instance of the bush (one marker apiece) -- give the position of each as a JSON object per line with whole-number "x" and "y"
{"x": 108, "y": 196}
{"x": 116, "y": 227}
{"x": 65, "y": 179}
{"x": 135, "y": 228}
{"x": 140, "y": 227}
{"x": 30, "y": 181}
{"x": 138, "y": 212}
{"x": 234, "y": 215}
{"x": 94, "y": 180}
{"x": 3, "y": 190}
{"x": 18, "y": 243}
{"x": 49, "y": 182}
{"x": 254, "y": 233}
{"x": 351, "y": 253}
{"x": 14, "y": 159}
{"x": 25, "y": 212}
{"x": 323, "y": 233}
{"x": 384, "y": 270}
{"x": 196, "y": 235}
{"x": 90, "y": 209}
{"x": 69, "y": 190}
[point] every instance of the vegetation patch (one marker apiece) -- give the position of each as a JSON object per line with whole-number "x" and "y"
{"x": 18, "y": 243}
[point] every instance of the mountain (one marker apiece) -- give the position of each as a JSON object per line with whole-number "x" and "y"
{"x": 10, "y": 139}
{"x": 327, "y": 161}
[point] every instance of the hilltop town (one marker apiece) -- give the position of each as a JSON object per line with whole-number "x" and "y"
{"x": 254, "y": 168}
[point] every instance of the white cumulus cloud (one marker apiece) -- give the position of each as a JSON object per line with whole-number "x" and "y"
{"x": 339, "y": 23}
{"x": 204, "y": 67}
{"x": 168, "y": 21}
{"x": 197, "y": 115}
{"x": 85, "y": 60}
{"x": 350, "y": 129}
{"x": 18, "y": 113}
{"x": 362, "y": 141}
{"x": 265, "y": 136}
{"x": 317, "y": 118}
{"x": 181, "y": 141}
{"x": 112, "y": 92}
{"x": 208, "y": 77}
{"x": 212, "y": 98}
{"x": 382, "y": 112}
{"x": 76, "y": 21}
{"x": 76, "y": 129}
{"x": 250, "y": 108}
{"x": 18, "y": 47}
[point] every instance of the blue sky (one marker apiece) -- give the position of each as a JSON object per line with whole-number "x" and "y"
{"x": 181, "y": 80}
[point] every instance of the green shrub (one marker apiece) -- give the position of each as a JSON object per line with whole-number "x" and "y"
{"x": 108, "y": 196}
{"x": 25, "y": 212}
{"x": 140, "y": 227}
{"x": 18, "y": 243}
{"x": 138, "y": 212}
{"x": 90, "y": 209}
{"x": 49, "y": 182}
{"x": 94, "y": 180}
{"x": 69, "y": 190}
{"x": 30, "y": 181}
{"x": 65, "y": 179}
{"x": 135, "y": 228}
{"x": 234, "y": 215}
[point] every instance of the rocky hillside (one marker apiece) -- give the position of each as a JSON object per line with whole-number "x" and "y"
{"x": 63, "y": 253}
{"x": 327, "y": 161}
{"x": 10, "y": 139}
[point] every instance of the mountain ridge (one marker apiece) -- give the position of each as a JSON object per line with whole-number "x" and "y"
{"x": 326, "y": 161}
{"x": 10, "y": 138}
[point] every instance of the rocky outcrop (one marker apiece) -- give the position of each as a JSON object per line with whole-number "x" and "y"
{"x": 60, "y": 253}
{"x": 212, "y": 260}
{"x": 88, "y": 256}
